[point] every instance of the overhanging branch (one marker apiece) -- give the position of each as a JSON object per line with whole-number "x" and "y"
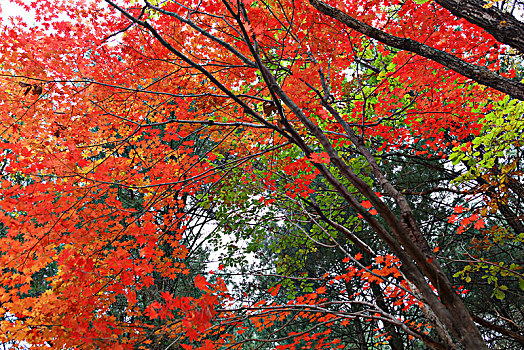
{"x": 503, "y": 26}
{"x": 481, "y": 75}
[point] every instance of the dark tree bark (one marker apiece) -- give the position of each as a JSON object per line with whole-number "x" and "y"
{"x": 503, "y": 26}
{"x": 479, "y": 74}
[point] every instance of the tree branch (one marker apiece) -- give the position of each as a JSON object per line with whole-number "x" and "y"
{"x": 479, "y": 74}
{"x": 503, "y": 26}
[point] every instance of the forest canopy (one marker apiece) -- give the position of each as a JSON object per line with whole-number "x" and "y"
{"x": 262, "y": 174}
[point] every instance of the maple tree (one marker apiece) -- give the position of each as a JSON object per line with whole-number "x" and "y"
{"x": 362, "y": 158}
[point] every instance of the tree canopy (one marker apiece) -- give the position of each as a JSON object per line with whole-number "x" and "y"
{"x": 275, "y": 174}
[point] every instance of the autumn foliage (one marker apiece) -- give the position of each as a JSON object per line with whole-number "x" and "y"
{"x": 356, "y": 169}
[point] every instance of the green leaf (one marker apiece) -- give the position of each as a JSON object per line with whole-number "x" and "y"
{"x": 499, "y": 294}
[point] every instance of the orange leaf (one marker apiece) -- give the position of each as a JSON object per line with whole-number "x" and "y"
{"x": 367, "y": 204}
{"x": 320, "y": 158}
{"x": 274, "y": 290}
{"x": 201, "y": 283}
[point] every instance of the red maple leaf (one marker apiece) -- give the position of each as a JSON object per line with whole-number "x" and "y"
{"x": 201, "y": 283}
{"x": 320, "y": 158}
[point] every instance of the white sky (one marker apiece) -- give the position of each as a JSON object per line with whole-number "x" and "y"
{"x": 8, "y": 9}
